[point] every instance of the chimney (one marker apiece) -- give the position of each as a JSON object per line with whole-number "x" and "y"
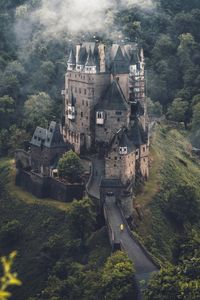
{"x": 102, "y": 58}
{"x": 78, "y": 47}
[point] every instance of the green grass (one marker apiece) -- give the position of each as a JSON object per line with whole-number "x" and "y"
{"x": 40, "y": 219}
{"x": 24, "y": 196}
{"x": 172, "y": 165}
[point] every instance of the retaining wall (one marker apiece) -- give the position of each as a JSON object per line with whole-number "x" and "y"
{"x": 43, "y": 187}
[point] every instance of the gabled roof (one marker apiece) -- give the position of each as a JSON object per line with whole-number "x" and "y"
{"x": 120, "y": 63}
{"x": 113, "y": 99}
{"x": 119, "y": 55}
{"x": 82, "y": 56}
{"x": 50, "y": 138}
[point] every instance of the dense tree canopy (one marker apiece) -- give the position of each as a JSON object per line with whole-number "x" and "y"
{"x": 81, "y": 218}
{"x": 176, "y": 282}
{"x": 70, "y": 167}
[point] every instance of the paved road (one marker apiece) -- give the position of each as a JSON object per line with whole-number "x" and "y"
{"x": 143, "y": 265}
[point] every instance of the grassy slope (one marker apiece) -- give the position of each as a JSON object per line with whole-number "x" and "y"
{"x": 172, "y": 164}
{"x": 41, "y": 219}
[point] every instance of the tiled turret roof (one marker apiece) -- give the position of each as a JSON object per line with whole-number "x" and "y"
{"x": 90, "y": 58}
{"x": 72, "y": 59}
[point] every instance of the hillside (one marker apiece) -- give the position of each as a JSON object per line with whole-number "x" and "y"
{"x": 40, "y": 232}
{"x": 172, "y": 165}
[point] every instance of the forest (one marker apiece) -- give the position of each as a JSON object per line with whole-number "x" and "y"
{"x": 63, "y": 264}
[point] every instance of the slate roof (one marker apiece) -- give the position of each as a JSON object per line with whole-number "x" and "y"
{"x": 137, "y": 133}
{"x": 120, "y": 63}
{"x": 134, "y": 60}
{"x": 113, "y": 99}
{"x": 90, "y": 59}
{"x": 72, "y": 59}
{"x": 118, "y": 57}
{"x": 50, "y": 138}
{"x": 82, "y": 56}
{"x": 122, "y": 139}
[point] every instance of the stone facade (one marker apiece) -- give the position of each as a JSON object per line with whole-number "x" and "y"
{"x": 104, "y": 112}
{"x": 104, "y": 99}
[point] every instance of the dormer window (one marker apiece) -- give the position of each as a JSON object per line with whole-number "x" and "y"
{"x": 90, "y": 69}
{"x": 123, "y": 150}
{"x": 100, "y": 117}
{"x": 79, "y": 68}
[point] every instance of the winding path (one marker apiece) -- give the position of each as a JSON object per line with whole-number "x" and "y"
{"x": 144, "y": 266}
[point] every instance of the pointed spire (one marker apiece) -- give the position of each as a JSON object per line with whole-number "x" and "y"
{"x": 90, "y": 59}
{"x": 72, "y": 59}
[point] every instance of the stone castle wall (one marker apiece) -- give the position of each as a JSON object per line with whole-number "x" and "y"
{"x": 87, "y": 90}
{"x": 114, "y": 120}
{"x": 43, "y": 187}
{"x": 120, "y": 166}
{"x": 144, "y": 161}
{"x": 42, "y": 157}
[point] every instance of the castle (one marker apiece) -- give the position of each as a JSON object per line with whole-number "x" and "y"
{"x": 104, "y": 107}
{"x": 104, "y": 114}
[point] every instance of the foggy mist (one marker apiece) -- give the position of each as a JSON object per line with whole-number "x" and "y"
{"x": 59, "y": 17}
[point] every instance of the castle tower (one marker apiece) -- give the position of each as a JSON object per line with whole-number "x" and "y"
{"x": 86, "y": 84}
{"x": 106, "y": 85}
